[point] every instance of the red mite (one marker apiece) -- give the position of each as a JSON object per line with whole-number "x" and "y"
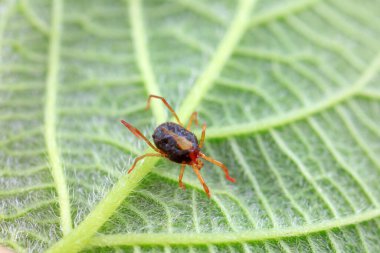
{"x": 178, "y": 144}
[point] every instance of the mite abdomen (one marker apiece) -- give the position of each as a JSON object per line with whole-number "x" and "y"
{"x": 175, "y": 141}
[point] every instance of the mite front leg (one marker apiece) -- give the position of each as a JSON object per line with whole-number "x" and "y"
{"x": 194, "y": 117}
{"x": 221, "y": 165}
{"x": 142, "y": 157}
{"x": 139, "y": 135}
{"x": 166, "y": 104}
{"x": 181, "y": 176}
{"x": 203, "y": 135}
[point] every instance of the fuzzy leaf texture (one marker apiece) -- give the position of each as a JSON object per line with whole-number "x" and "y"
{"x": 290, "y": 92}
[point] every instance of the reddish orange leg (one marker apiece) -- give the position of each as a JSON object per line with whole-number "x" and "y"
{"x": 167, "y": 105}
{"x": 194, "y": 117}
{"x": 221, "y": 165}
{"x": 200, "y": 178}
{"x": 181, "y": 176}
{"x": 142, "y": 157}
{"x": 203, "y": 135}
{"x": 139, "y": 135}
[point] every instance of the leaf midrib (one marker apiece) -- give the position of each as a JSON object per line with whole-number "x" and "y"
{"x": 51, "y": 117}
{"x": 226, "y": 47}
{"x": 292, "y": 116}
{"x": 146, "y": 168}
{"x": 78, "y": 238}
{"x": 142, "y": 56}
{"x": 233, "y": 237}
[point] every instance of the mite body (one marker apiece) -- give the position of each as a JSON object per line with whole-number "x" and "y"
{"x": 178, "y": 144}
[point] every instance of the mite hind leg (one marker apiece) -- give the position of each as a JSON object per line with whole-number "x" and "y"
{"x": 181, "y": 176}
{"x": 200, "y": 178}
{"x": 166, "y": 104}
{"x": 142, "y": 157}
{"x": 221, "y": 165}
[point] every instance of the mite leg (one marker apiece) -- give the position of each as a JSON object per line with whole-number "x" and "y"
{"x": 167, "y": 105}
{"x": 142, "y": 157}
{"x": 203, "y": 135}
{"x": 221, "y": 165}
{"x": 181, "y": 176}
{"x": 200, "y": 178}
{"x": 192, "y": 118}
{"x": 139, "y": 135}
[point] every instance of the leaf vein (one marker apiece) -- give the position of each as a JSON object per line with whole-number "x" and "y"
{"x": 51, "y": 115}
{"x": 226, "y": 47}
{"x": 239, "y": 237}
{"x": 142, "y": 56}
{"x": 287, "y": 118}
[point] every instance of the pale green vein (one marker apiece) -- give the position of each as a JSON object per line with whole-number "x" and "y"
{"x": 142, "y": 56}
{"x": 26, "y": 189}
{"x": 202, "y": 10}
{"x": 34, "y": 20}
{"x": 239, "y": 237}
{"x": 27, "y": 54}
{"x": 368, "y": 93}
{"x": 51, "y": 117}
{"x": 97, "y": 57}
{"x": 355, "y": 133}
{"x": 20, "y": 86}
{"x": 194, "y": 211}
{"x": 274, "y": 56}
{"x": 142, "y": 215}
{"x": 280, "y": 180}
{"x": 303, "y": 170}
{"x": 225, "y": 213}
{"x": 74, "y": 110}
{"x": 25, "y": 68}
{"x": 279, "y": 12}
{"x": 149, "y": 195}
{"x": 21, "y": 136}
{"x": 12, "y": 172}
{"x": 21, "y": 116}
{"x": 189, "y": 41}
{"x": 79, "y": 237}
{"x": 102, "y": 83}
{"x": 292, "y": 116}
{"x": 283, "y": 79}
{"x": 244, "y": 87}
{"x": 226, "y": 47}
{"x": 101, "y": 138}
{"x": 344, "y": 24}
{"x": 300, "y": 166}
{"x": 305, "y": 30}
{"x": 228, "y": 218}
{"x": 359, "y": 13}
{"x": 320, "y": 131}
{"x": 365, "y": 119}
{"x": 42, "y": 204}
{"x": 255, "y": 185}
{"x": 99, "y": 30}
{"x": 10, "y": 7}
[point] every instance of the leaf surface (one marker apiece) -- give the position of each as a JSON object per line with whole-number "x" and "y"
{"x": 290, "y": 93}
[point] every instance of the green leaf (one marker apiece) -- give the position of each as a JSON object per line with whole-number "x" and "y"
{"x": 290, "y": 92}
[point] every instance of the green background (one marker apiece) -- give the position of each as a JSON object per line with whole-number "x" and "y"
{"x": 290, "y": 91}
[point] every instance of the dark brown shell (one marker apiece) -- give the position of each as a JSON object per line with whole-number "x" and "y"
{"x": 169, "y": 145}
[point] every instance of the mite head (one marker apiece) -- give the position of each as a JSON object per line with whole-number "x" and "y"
{"x": 194, "y": 155}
